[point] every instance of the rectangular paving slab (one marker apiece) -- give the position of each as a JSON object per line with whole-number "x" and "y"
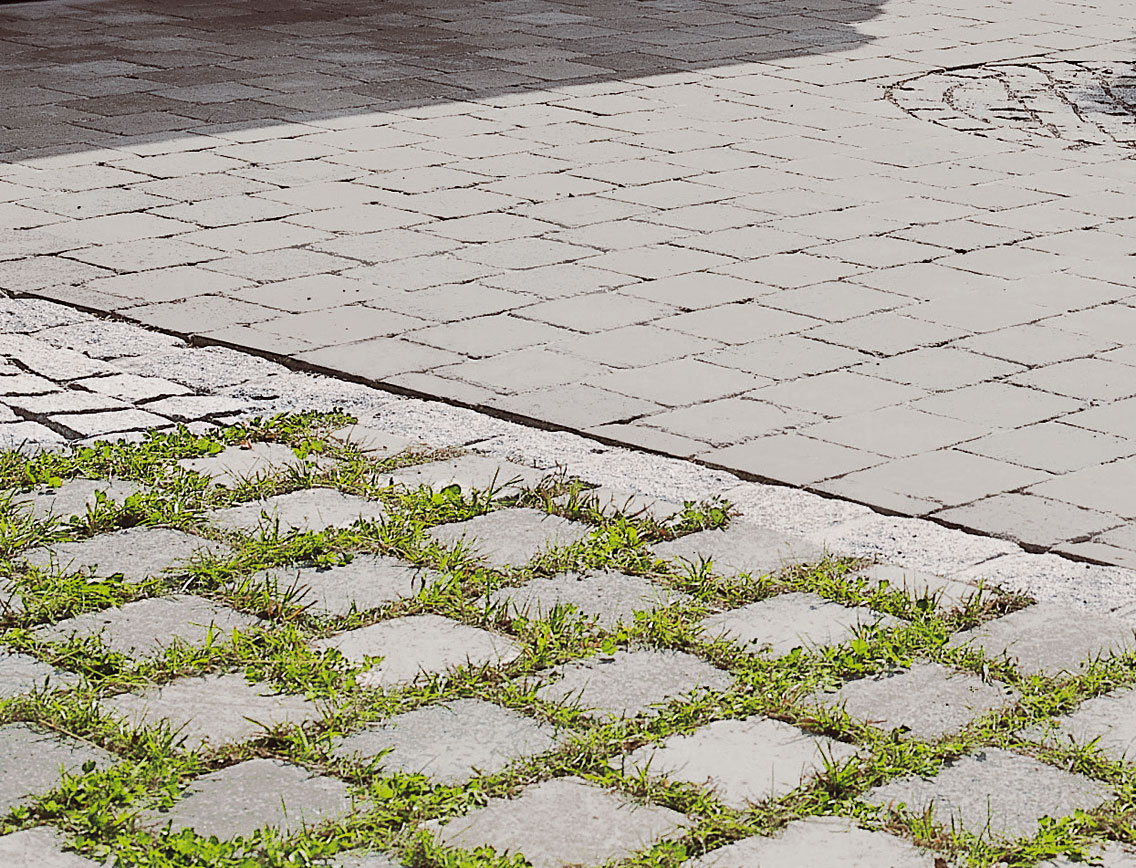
{"x": 469, "y": 473}
{"x": 245, "y": 463}
{"x": 137, "y": 553}
{"x": 740, "y": 548}
{"x": 39, "y": 847}
{"x": 21, "y": 673}
{"x": 420, "y": 645}
{"x": 511, "y": 537}
{"x": 311, "y": 509}
{"x": 741, "y": 761}
{"x": 365, "y": 582}
{"x": 213, "y": 710}
{"x": 611, "y": 501}
{"x": 75, "y": 497}
{"x": 451, "y": 742}
{"x": 563, "y": 822}
{"x": 32, "y": 759}
{"x": 1108, "y": 721}
{"x": 948, "y": 593}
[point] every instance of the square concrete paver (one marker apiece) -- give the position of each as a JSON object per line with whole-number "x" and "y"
{"x": 213, "y": 710}
{"x": 145, "y": 627}
{"x": 795, "y": 620}
{"x": 243, "y": 463}
{"x": 1109, "y": 721}
{"x": 927, "y": 701}
{"x": 20, "y": 673}
{"x": 364, "y": 860}
{"x": 832, "y": 842}
{"x": 312, "y": 509}
{"x": 741, "y": 761}
{"x": 611, "y": 501}
{"x": 948, "y": 593}
{"x": 365, "y": 582}
{"x": 258, "y": 793}
{"x": 605, "y": 597}
{"x": 469, "y": 473}
{"x": 74, "y": 497}
{"x": 137, "y": 553}
{"x": 39, "y": 847}
{"x": 630, "y": 683}
{"x": 420, "y": 645}
{"x": 511, "y": 537}
{"x": 1049, "y": 638}
{"x": 741, "y": 548}
{"x": 32, "y": 759}
{"x": 994, "y": 793}
{"x": 563, "y": 823}
{"x": 451, "y": 742}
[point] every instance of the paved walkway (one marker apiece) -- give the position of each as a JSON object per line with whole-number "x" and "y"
{"x": 777, "y": 237}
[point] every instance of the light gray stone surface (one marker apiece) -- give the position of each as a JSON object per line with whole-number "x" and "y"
{"x": 469, "y": 473}
{"x": 364, "y": 860}
{"x": 833, "y": 842}
{"x": 795, "y": 620}
{"x": 21, "y": 673}
{"x": 511, "y": 537}
{"x": 740, "y": 548}
{"x": 1047, "y": 637}
{"x": 562, "y": 823}
{"x": 145, "y": 627}
{"x": 238, "y": 800}
{"x": 136, "y": 553}
{"x": 39, "y": 847}
{"x": 994, "y": 793}
{"x": 311, "y": 509}
{"x": 32, "y": 759}
{"x": 927, "y": 701}
{"x": 451, "y": 742}
{"x": 11, "y": 599}
{"x": 213, "y": 710}
{"x": 1113, "y": 856}
{"x": 740, "y": 761}
{"x": 610, "y": 501}
{"x": 376, "y": 443}
{"x": 630, "y": 683}
{"x": 1109, "y": 721}
{"x": 948, "y": 593}
{"x": 74, "y": 497}
{"x": 247, "y": 462}
{"x": 363, "y": 583}
{"x": 606, "y": 597}
{"x": 418, "y": 645}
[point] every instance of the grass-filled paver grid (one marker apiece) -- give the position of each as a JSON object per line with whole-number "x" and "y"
{"x": 136, "y": 807}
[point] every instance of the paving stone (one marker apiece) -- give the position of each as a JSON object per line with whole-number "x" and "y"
{"x": 32, "y": 759}
{"x": 1113, "y": 855}
{"x": 927, "y": 701}
{"x": 470, "y": 473}
{"x": 420, "y": 645}
{"x": 143, "y": 628}
{"x": 376, "y": 443}
{"x": 1049, "y": 638}
{"x": 779, "y": 624}
{"x": 948, "y": 593}
{"x": 833, "y": 842}
{"x": 239, "y": 463}
{"x": 994, "y": 793}
{"x": 20, "y": 673}
{"x": 74, "y": 497}
{"x": 630, "y": 683}
{"x": 451, "y": 742}
{"x": 742, "y": 761}
{"x": 213, "y": 710}
{"x": 1109, "y": 721}
{"x": 258, "y": 793}
{"x": 11, "y": 599}
{"x": 562, "y": 823}
{"x": 511, "y": 537}
{"x": 365, "y": 582}
{"x": 364, "y": 860}
{"x": 311, "y": 509}
{"x": 137, "y": 553}
{"x": 608, "y": 598}
{"x": 740, "y": 548}
{"x": 610, "y": 501}
{"x": 39, "y": 847}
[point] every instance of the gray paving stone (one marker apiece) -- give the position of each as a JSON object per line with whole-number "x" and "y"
{"x": 364, "y": 860}
{"x": 310, "y": 509}
{"x": 833, "y": 842}
{"x": 469, "y": 473}
{"x": 213, "y": 710}
{"x": 417, "y": 645}
{"x": 927, "y": 701}
{"x": 1111, "y": 856}
{"x": 1108, "y": 720}
{"x": 451, "y": 742}
{"x": 39, "y": 847}
{"x": 740, "y": 548}
{"x": 258, "y": 793}
{"x": 137, "y": 553}
{"x": 511, "y": 537}
{"x": 143, "y": 628}
{"x": 1048, "y": 638}
{"x": 366, "y": 582}
{"x": 742, "y": 761}
{"x": 11, "y": 599}
{"x": 994, "y": 793}
{"x": 74, "y": 497}
{"x": 606, "y": 597}
{"x": 32, "y": 760}
{"x": 20, "y": 673}
{"x": 779, "y": 624}
{"x": 376, "y": 443}
{"x": 948, "y": 593}
{"x": 236, "y": 464}
{"x": 562, "y": 823}
{"x": 610, "y": 501}
{"x": 630, "y": 683}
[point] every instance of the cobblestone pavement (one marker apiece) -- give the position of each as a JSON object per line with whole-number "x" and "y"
{"x": 423, "y": 636}
{"x": 881, "y": 250}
